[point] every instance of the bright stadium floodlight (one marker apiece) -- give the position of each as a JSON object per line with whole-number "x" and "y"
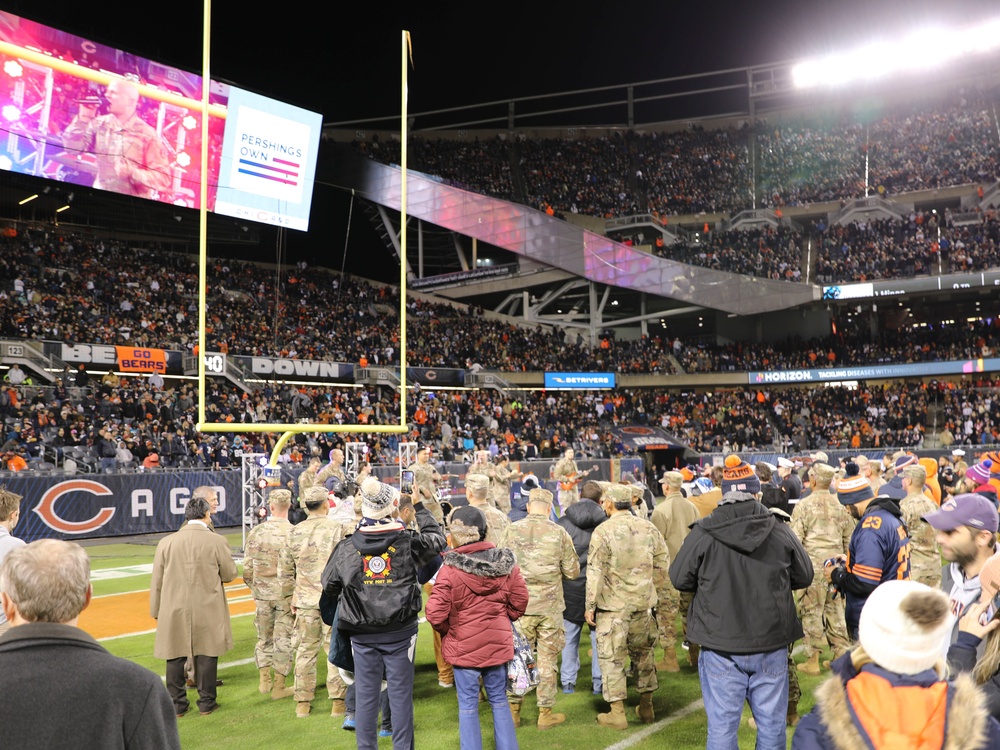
{"x": 922, "y": 50}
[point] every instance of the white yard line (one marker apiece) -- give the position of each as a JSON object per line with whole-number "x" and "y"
{"x": 147, "y": 632}
{"x": 652, "y": 729}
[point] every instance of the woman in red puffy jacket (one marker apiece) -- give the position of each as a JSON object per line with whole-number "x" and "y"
{"x": 478, "y": 592}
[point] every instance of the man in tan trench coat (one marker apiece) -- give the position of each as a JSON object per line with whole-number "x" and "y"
{"x": 188, "y": 601}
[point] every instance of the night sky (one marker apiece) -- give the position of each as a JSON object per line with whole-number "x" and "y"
{"x": 465, "y": 53}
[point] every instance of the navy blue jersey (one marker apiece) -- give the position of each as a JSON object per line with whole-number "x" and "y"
{"x": 879, "y": 552}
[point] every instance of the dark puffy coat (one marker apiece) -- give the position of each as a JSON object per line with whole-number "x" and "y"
{"x": 478, "y": 591}
{"x": 742, "y": 565}
{"x": 580, "y": 520}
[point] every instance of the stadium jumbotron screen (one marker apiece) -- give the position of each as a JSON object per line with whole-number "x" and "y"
{"x": 87, "y": 114}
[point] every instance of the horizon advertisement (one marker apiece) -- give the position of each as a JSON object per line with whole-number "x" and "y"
{"x": 87, "y": 114}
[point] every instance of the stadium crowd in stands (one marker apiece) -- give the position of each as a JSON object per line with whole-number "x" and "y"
{"x": 813, "y": 159}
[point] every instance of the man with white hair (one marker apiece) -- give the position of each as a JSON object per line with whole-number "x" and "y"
{"x": 131, "y": 158}
{"x": 61, "y": 689}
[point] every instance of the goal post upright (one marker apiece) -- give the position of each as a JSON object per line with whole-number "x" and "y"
{"x": 289, "y": 430}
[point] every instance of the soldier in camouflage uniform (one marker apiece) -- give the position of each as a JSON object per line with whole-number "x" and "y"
{"x": 567, "y": 474}
{"x": 500, "y": 488}
{"x": 333, "y": 469}
{"x": 308, "y": 478}
{"x": 477, "y": 491}
{"x": 925, "y": 560}
{"x": 626, "y": 578}
{"x": 546, "y": 555}
{"x": 425, "y": 478}
{"x": 673, "y": 517}
{"x": 824, "y": 527}
{"x": 302, "y": 561}
{"x": 273, "y": 620}
{"x": 482, "y": 466}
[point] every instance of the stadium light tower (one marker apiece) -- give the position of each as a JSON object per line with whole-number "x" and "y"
{"x": 925, "y": 49}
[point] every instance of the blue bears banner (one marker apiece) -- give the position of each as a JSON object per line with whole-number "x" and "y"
{"x": 87, "y": 506}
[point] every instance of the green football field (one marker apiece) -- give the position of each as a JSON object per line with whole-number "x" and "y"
{"x": 248, "y": 719}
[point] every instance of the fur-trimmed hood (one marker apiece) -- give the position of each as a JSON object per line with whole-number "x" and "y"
{"x": 831, "y": 725}
{"x": 482, "y": 559}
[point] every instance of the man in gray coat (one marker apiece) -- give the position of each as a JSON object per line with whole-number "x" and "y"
{"x": 61, "y": 688}
{"x": 188, "y": 601}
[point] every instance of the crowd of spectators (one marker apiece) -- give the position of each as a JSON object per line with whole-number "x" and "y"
{"x": 588, "y": 176}
{"x": 972, "y": 415}
{"x": 765, "y": 252}
{"x": 871, "y": 249}
{"x": 73, "y": 289}
{"x": 838, "y": 417}
{"x": 816, "y": 158}
{"x": 851, "y": 347}
{"x": 128, "y": 424}
{"x": 481, "y": 166}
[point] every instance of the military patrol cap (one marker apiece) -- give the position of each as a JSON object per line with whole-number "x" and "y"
{"x": 477, "y": 482}
{"x": 620, "y": 495}
{"x": 824, "y": 472}
{"x": 538, "y": 495}
{"x": 280, "y": 497}
{"x": 673, "y": 478}
{"x": 315, "y": 496}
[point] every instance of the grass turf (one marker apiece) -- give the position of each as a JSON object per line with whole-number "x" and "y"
{"x": 248, "y": 719}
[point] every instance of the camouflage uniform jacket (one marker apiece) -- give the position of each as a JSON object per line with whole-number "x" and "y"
{"x": 924, "y": 555}
{"x": 500, "y": 487}
{"x": 307, "y": 479}
{"x": 325, "y": 473}
{"x": 424, "y": 476}
{"x": 626, "y": 566}
{"x": 486, "y": 470}
{"x": 565, "y": 470}
{"x": 545, "y": 554}
{"x": 302, "y": 560}
{"x": 260, "y": 565}
{"x": 824, "y": 527}
{"x": 673, "y": 517}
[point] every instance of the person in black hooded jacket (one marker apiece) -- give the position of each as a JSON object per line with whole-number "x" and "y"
{"x": 742, "y": 565}
{"x": 580, "y": 520}
{"x": 371, "y": 578}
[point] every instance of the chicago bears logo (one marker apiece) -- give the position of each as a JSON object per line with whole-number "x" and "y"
{"x": 46, "y": 509}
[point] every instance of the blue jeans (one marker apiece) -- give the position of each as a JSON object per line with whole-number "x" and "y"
{"x": 470, "y": 734}
{"x": 571, "y": 656}
{"x": 395, "y": 660}
{"x": 727, "y": 680}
